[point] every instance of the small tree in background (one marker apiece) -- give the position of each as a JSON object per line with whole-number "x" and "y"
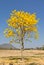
{"x": 21, "y": 25}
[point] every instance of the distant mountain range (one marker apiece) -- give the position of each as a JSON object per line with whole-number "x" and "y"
{"x": 7, "y": 46}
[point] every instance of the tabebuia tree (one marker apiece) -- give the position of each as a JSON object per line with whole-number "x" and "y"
{"x": 21, "y": 26}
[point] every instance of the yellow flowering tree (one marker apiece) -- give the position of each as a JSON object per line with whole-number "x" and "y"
{"x": 21, "y": 25}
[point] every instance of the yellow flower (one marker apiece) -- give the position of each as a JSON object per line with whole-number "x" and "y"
{"x": 21, "y": 21}
{"x": 8, "y": 33}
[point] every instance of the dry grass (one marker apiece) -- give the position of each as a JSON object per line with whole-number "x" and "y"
{"x": 6, "y": 53}
{"x": 32, "y": 56}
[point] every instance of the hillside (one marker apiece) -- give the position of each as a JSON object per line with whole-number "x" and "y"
{"x": 7, "y": 46}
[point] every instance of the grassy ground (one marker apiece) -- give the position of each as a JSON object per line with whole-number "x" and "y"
{"x": 30, "y": 57}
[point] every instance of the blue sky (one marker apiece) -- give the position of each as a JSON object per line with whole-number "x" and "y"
{"x": 32, "y": 6}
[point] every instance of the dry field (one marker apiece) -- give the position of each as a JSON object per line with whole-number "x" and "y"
{"x": 14, "y": 56}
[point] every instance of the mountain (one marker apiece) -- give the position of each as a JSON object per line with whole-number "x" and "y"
{"x": 7, "y": 46}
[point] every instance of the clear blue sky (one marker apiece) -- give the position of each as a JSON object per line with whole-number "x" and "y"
{"x": 32, "y": 6}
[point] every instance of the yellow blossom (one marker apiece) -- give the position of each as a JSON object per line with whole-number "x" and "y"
{"x": 22, "y": 22}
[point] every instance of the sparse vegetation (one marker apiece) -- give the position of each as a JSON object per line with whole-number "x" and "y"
{"x": 31, "y": 57}
{"x": 32, "y": 64}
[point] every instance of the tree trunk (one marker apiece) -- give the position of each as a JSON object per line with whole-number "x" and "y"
{"x": 22, "y": 49}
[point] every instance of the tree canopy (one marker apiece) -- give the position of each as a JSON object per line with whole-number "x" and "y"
{"x": 21, "y": 24}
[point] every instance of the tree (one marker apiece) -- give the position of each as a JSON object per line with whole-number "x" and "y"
{"x": 21, "y": 25}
